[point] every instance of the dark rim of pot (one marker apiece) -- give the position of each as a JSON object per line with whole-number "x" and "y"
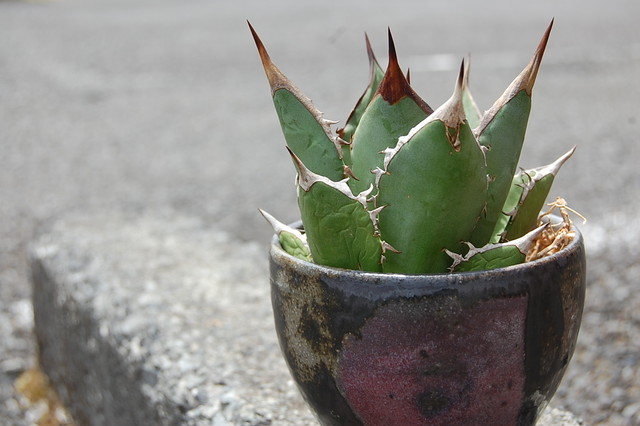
{"x": 277, "y": 251}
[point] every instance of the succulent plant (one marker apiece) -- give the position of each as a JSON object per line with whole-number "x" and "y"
{"x": 403, "y": 188}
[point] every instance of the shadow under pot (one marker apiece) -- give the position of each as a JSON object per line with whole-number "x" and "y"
{"x": 478, "y": 348}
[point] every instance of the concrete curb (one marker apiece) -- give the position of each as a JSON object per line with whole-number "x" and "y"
{"x": 160, "y": 320}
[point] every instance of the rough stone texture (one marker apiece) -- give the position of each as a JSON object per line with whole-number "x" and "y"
{"x": 159, "y": 322}
{"x": 163, "y": 321}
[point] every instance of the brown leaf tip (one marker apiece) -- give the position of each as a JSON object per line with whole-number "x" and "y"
{"x": 462, "y": 76}
{"x": 372, "y": 56}
{"x": 274, "y": 75}
{"x": 264, "y": 56}
{"x": 534, "y": 65}
{"x": 467, "y": 71}
{"x": 394, "y": 86}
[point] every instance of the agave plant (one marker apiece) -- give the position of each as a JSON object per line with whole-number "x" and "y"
{"x": 403, "y": 188}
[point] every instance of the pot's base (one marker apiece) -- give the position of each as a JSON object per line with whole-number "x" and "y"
{"x": 479, "y": 348}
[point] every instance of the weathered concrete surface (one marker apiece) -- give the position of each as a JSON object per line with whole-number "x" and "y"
{"x": 143, "y": 321}
{"x": 163, "y": 321}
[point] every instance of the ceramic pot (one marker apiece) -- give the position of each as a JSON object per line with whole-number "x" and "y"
{"x": 479, "y": 348}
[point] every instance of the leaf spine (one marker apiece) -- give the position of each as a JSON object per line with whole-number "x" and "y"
{"x": 523, "y": 244}
{"x": 451, "y": 113}
{"x": 277, "y": 80}
{"x": 279, "y": 227}
{"x": 394, "y": 85}
{"x": 306, "y": 179}
{"x": 524, "y": 81}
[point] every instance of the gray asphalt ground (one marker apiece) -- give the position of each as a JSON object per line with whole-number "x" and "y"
{"x": 162, "y": 105}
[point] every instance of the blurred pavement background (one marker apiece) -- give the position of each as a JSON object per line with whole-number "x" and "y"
{"x": 143, "y": 105}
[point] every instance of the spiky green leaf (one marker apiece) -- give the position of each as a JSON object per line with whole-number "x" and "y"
{"x": 493, "y": 256}
{"x": 528, "y": 192}
{"x": 291, "y": 240}
{"x": 340, "y": 230}
{"x": 306, "y": 132}
{"x": 392, "y": 112}
{"x": 502, "y": 132}
{"x": 376, "y": 73}
{"x": 433, "y": 190}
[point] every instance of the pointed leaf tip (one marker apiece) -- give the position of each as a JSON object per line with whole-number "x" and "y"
{"x": 376, "y": 75}
{"x": 393, "y": 56}
{"x": 452, "y": 111}
{"x": 467, "y": 69}
{"x": 394, "y": 86}
{"x": 275, "y": 223}
{"x": 461, "y": 83}
{"x": 373, "y": 61}
{"x": 303, "y": 179}
{"x": 523, "y": 82}
{"x": 554, "y": 167}
{"x": 274, "y": 75}
{"x": 370, "y": 53}
{"x": 534, "y": 65}
{"x": 264, "y": 56}
{"x": 296, "y": 159}
{"x": 472, "y": 112}
{"x": 279, "y": 227}
{"x": 306, "y": 178}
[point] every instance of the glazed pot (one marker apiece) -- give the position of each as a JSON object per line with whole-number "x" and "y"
{"x": 479, "y": 348}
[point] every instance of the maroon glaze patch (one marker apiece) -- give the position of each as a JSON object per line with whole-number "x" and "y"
{"x": 438, "y": 363}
